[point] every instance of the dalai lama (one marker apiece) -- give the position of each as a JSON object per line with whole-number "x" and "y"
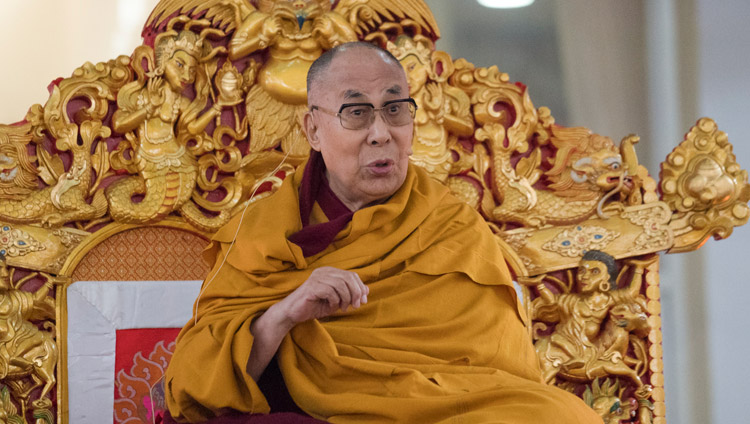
{"x": 382, "y": 298}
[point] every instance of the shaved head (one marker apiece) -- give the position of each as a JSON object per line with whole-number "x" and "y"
{"x": 319, "y": 68}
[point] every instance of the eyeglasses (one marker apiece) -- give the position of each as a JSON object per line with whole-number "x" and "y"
{"x": 359, "y": 116}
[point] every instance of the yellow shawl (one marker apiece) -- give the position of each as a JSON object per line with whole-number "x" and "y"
{"x": 441, "y": 337}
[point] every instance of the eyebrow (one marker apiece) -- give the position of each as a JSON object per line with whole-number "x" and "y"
{"x": 396, "y": 89}
{"x": 352, "y": 94}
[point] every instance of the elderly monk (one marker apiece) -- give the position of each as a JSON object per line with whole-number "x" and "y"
{"x": 383, "y": 298}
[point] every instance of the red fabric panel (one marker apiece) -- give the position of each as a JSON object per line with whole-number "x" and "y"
{"x": 132, "y": 341}
{"x": 141, "y": 357}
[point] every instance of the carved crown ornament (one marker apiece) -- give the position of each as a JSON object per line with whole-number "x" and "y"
{"x": 205, "y": 116}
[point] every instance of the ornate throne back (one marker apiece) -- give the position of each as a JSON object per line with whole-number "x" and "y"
{"x": 131, "y": 165}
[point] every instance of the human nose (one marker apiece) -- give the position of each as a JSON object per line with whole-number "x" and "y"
{"x": 380, "y": 130}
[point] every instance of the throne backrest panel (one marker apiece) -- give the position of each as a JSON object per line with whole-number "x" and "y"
{"x": 144, "y": 253}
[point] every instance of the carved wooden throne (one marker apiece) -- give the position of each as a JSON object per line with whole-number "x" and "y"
{"x": 110, "y": 190}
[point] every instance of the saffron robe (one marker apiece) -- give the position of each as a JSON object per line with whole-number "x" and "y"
{"x": 441, "y": 339}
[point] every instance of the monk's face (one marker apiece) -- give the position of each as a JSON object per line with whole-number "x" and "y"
{"x": 366, "y": 165}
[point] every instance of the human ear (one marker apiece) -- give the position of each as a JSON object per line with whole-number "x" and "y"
{"x": 311, "y": 131}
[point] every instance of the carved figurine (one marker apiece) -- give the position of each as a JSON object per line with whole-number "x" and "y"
{"x": 159, "y": 120}
{"x": 596, "y": 327}
{"x": 582, "y": 347}
{"x": 443, "y": 112}
{"x": 25, "y": 350}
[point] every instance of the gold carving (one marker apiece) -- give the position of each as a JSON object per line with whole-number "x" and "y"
{"x": 574, "y": 242}
{"x": 636, "y": 230}
{"x": 16, "y": 242}
{"x": 608, "y": 401}
{"x": 160, "y": 122}
{"x": 443, "y": 113}
{"x": 703, "y": 183}
{"x": 38, "y": 248}
{"x": 294, "y": 34}
{"x": 586, "y": 171}
{"x": 8, "y": 411}
{"x": 17, "y": 172}
{"x": 67, "y": 192}
{"x": 598, "y": 329}
{"x": 28, "y": 355}
{"x": 654, "y": 231}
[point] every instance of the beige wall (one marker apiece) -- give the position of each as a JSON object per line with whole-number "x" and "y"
{"x": 46, "y": 39}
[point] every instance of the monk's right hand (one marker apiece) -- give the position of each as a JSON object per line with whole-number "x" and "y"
{"x": 325, "y": 292}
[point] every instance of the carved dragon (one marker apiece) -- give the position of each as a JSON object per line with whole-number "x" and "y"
{"x": 585, "y": 172}
{"x": 65, "y": 198}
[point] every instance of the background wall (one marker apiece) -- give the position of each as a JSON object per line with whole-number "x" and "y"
{"x": 650, "y": 67}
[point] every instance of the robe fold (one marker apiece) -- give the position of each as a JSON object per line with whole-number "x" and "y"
{"x": 441, "y": 339}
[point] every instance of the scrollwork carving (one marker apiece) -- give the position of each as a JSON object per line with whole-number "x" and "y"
{"x": 703, "y": 183}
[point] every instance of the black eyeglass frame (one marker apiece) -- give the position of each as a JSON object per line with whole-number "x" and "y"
{"x": 374, "y": 109}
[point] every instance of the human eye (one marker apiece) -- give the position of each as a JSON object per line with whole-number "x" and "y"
{"x": 394, "y": 108}
{"x": 357, "y": 111}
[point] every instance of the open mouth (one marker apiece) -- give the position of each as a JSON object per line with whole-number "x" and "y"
{"x": 381, "y": 166}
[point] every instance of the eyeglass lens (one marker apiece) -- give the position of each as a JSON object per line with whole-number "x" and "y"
{"x": 361, "y": 116}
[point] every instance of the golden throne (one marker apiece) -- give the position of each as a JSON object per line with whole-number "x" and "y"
{"x": 110, "y": 190}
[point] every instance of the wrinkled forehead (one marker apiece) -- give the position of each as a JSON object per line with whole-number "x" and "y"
{"x": 360, "y": 75}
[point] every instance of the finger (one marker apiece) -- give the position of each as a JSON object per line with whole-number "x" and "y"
{"x": 357, "y": 289}
{"x": 362, "y": 290}
{"x": 348, "y": 284}
{"x": 340, "y": 287}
